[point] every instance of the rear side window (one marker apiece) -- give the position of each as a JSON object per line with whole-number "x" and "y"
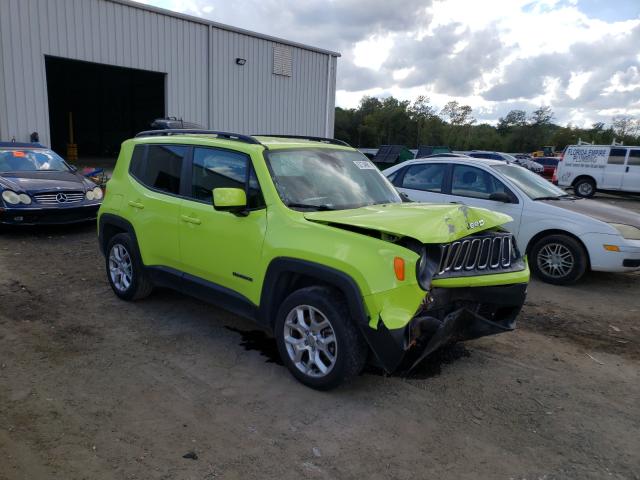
{"x": 616, "y": 156}
{"x": 161, "y": 167}
{"x": 215, "y": 168}
{"x": 473, "y": 182}
{"x": 427, "y": 177}
{"x": 634, "y": 158}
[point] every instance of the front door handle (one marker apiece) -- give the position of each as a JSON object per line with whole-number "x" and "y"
{"x": 137, "y": 205}
{"x": 188, "y": 219}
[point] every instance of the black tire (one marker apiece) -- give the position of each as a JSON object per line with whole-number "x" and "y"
{"x": 584, "y": 187}
{"x": 560, "y": 243}
{"x": 350, "y": 347}
{"x": 140, "y": 285}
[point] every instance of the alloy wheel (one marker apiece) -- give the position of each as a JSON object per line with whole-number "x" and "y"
{"x": 310, "y": 341}
{"x": 120, "y": 267}
{"x": 555, "y": 260}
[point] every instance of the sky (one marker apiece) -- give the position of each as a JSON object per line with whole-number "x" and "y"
{"x": 581, "y": 57}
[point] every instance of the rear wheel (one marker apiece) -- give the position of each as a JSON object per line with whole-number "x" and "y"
{"x": 125, "y": 271}
{"x": 558, "y": 259}
{"x": 318, "y": 340}
{"x": 584, "y": 187}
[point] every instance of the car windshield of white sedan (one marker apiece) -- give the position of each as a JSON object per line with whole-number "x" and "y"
{"x": 534, "y": 186}
{"x": 13, "y": 160}
{"x": 327, "y": 179}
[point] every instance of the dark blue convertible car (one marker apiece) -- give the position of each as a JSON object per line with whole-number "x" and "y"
{"x": 38, "y": 187}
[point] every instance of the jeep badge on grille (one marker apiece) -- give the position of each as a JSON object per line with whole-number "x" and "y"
{"x": 476, "y": 224}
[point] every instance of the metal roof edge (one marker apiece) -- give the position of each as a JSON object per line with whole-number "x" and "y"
{"x": 222, "y": 26}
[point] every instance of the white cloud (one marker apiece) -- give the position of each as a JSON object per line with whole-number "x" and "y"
{"x": 372, "y": 52}
{"x": 576, "y": 82}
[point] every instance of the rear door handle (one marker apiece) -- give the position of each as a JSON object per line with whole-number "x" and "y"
{"x": 188, "y": 219}
{"x": 137, "y": 205}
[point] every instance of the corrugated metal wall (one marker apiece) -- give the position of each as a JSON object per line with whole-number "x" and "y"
{"x": 247, "y": 99}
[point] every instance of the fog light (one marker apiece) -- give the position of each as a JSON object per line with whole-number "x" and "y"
{"x": 611, "y": 248}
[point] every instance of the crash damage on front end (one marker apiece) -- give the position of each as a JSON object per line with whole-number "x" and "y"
{"x": 471, "y": 282}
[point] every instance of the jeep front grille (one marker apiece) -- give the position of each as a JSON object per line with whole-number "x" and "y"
{"x": 481, "y": 254}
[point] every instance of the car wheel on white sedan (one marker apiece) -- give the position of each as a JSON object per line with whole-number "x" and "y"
{"x": 558, "y": 259}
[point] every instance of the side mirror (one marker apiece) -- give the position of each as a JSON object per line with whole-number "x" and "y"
{"x": 232, "y": 200}
{"x": 500, "y": 197}
{"x": 405, "y": 198}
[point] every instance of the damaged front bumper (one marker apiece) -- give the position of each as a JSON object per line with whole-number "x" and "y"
{"x": 447, "y": 315}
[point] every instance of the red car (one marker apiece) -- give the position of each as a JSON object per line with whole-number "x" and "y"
{"x": 550, "y": 164}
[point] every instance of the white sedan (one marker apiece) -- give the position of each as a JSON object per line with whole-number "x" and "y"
{"x": 564, "y": 236}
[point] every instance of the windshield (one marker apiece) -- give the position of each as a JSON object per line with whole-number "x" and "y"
{"x": 534, "y": 186}
{"x": 26, "y": 160}
{"x": 509, "y": 158}
{"x": 328, "y": 179}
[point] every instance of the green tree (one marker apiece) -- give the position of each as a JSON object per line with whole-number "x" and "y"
{"x": 392, "y": 121}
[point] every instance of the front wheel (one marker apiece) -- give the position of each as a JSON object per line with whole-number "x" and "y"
{"x": 317, "y": 338}
{"x": 558, "y": 259}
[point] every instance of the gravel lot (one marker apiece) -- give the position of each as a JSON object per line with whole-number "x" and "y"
{"x": 95, "y": 388}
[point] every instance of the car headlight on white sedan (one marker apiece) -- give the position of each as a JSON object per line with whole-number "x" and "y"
{"x": 627, "y": 231}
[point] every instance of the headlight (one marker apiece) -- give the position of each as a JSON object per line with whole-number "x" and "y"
{"x": 627, "y": 231}
{"x": 11, "y": 197}
{"x": 89, "y": 195}
{"x": 427, "y": 265}
{"x": 97, "y": 193}
{"x": 24, "y": 198}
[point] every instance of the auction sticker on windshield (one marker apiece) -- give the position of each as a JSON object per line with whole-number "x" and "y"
{"x": 364, "y": 165}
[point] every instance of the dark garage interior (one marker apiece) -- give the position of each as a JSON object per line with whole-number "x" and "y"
{"x": 108, "y": 105}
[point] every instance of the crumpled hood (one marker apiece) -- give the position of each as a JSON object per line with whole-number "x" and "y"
{"x": 425, "y": 222}
{"x": 43, "y": 181}
{"x": 598, "y": 210}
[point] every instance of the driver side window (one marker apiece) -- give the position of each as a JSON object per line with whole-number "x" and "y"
{"x": 468, "y": 181}
{"x": 216, "y": 168}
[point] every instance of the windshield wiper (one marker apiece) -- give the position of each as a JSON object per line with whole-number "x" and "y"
{"x": 308, "y": 205}
{"x": 557, "y": 197}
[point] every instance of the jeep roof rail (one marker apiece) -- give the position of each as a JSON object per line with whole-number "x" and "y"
{"x": 185, "y": 131}
{"x": 332, "y": 141}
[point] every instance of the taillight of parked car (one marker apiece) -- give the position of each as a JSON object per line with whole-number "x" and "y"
{"x": 554, "y": 177}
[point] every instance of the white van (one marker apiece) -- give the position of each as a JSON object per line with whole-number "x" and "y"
{"x": 588, "y": 168}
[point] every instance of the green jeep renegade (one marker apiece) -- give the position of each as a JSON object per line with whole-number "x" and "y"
{"x": 306, "y": 237}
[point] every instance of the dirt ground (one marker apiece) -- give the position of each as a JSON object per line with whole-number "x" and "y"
{"x": 95, "y": 388}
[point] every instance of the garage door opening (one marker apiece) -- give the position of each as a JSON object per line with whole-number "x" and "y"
{"x": 108, "y": 105}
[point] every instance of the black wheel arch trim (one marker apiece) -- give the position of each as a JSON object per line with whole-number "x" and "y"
{"x": 274, "y": 285}
{"x": 388, "y": 346}
{"x": 109, "y": 219}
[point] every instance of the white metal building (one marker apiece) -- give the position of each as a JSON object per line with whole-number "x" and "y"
{"x": 115, "y": 65}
